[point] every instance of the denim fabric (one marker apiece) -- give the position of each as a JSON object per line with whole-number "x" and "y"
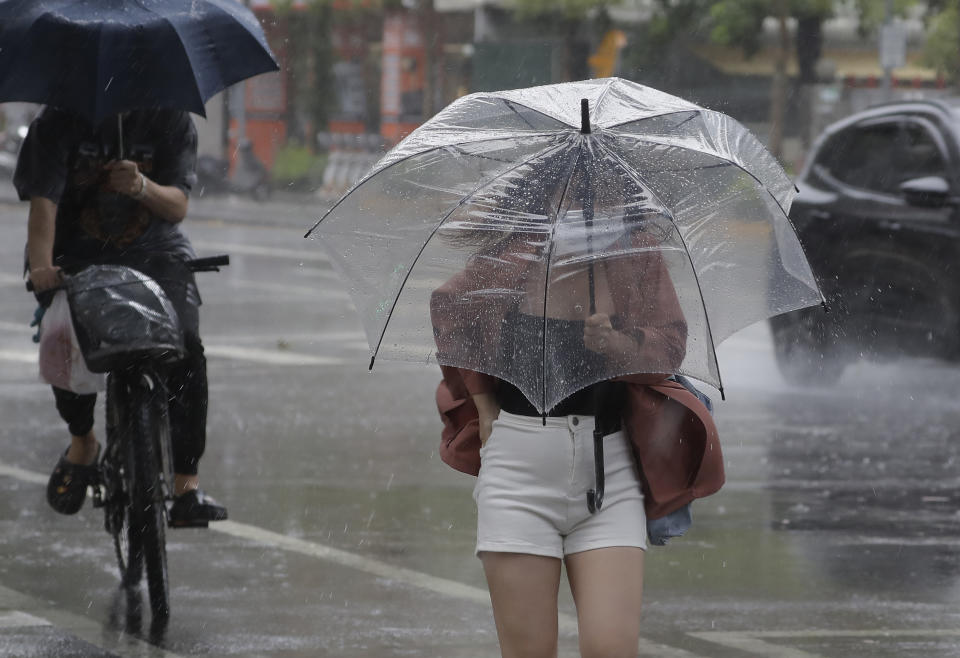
{"x": 676, "y": 524}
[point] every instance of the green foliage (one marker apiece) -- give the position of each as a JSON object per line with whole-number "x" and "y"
{"x": 942, "y": 48}
{"x": 740, "y": 22}
{"x": 296, "y": 167}
{"x": 872, "y": 13}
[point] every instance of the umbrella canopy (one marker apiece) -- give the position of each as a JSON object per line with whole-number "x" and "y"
{"x": 103, "y": 57}
{"x": 488, "y": 237}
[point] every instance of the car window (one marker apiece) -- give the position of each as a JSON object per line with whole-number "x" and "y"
{"x": 921, "y": 155}
{"x": 863, "y": 156}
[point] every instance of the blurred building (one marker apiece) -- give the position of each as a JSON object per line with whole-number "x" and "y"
{"x": 384, "y": 71}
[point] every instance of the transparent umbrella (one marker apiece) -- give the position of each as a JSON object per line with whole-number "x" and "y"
{"x": 495, "y": 232}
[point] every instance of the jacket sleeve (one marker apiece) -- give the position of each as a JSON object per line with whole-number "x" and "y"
{"x": 653, "y": 316}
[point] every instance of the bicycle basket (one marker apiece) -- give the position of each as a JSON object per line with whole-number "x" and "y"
{"x": 122, "y": 316}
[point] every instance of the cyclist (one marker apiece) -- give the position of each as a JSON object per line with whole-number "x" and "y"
{"x": 99, "y": 195}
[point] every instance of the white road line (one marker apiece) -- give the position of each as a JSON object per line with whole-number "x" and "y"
{"x": 747, "y": 642}
{"x": 390, "y": 573}
{"x": 19, "y": 356}
{"x": 19, "y": 327}
{"x": 314, "y": 291}
{"x": 754, "y": 641}
{"x": 235, "y": 352}
{"x": 315, "y": 255}
{"x": 270, "y": 357}
{"x": 17, "y": 619}
{"x": 35, "y": 612}
{"x": 21, "y": 474}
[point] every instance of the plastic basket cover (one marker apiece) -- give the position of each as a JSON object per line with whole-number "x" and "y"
{"x": 122, "y": 316}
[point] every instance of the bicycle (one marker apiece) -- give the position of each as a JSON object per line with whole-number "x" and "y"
{"x": 135, "y": 472}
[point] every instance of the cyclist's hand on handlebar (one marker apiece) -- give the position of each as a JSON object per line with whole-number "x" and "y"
{"x": 123, "y": 177}
{"x": 44, "y": 278}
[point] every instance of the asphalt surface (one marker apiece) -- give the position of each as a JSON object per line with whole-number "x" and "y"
{"x": 837, "y": 533}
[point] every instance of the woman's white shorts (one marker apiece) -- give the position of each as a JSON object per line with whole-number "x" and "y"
{"x": 531, "y": 493}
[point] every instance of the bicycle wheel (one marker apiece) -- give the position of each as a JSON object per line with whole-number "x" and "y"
{"x": 148, "y": 518}
{"x": 116, "y": 475}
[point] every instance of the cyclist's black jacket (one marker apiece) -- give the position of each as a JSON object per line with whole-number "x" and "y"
{"x": 62, "y": 158}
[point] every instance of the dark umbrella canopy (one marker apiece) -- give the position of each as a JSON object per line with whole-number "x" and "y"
{"x": 103, "y": 57}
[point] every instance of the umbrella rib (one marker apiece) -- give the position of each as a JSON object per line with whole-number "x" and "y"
{"x": 509, "y": 104}
{"x": 546, "y": 133}
{"x": 706, "y": 316}
{"x": 436, "y": 228}
{"x": 739, "y": 166}
{"x": 729, "y": 162}
{"x": 603, "y": 94}
{"x": 546, "y": 282}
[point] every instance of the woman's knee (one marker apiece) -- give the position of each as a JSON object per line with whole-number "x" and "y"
{"x": 609, "y": 642}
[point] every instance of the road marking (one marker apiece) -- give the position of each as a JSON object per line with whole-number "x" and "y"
{"x": 19, "y": 327}
{"x": 19, "y": 356}
{"x": 271, "y": 357}
{"x": 389, "y": 572}
{"x": 315, "y": 255}
{"x": 315, "y": 291}
{"x": 755, "y": 641}
{"x": 17, "y": 619}
{"x": 34, "y": 612}
{"x": 11, "y": 280}
{"x": 235, "y": 352}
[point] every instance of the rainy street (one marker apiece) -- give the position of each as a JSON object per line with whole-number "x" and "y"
{"x": 837, "y": 532}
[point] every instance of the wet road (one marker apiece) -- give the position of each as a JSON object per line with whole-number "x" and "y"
{"x": 836, "y": 535}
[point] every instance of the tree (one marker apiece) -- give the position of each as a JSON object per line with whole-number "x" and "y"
{"x": 942, "y": 48}
{"x": 740, "y": 22}
{"x": 568, "y": 16}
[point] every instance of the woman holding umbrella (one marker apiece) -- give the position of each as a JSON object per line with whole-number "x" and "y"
{"x": 589, "y": 239}
{"x": 611, "y": 307}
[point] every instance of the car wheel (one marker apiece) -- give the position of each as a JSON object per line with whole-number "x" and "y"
{"x": 805, "y": 349}
{"x": 902, "y": 299}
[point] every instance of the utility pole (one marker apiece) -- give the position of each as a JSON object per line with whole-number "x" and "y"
{"x": 887, "y": 69}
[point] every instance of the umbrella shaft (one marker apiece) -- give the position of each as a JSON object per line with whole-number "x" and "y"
{"x": 591, "y": 286}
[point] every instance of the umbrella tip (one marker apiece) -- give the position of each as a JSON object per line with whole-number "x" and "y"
{"x": 584, "y": 116}
{"x": 373, "y": 357}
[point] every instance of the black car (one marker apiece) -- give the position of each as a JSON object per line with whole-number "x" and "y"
{"x": 878, "y": 217}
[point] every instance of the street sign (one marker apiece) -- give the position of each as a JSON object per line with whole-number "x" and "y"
{"x": 893, "y": 45}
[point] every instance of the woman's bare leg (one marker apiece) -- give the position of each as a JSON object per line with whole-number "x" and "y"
{"x": 607, "y": 586}
{"x": 523, "y": 590}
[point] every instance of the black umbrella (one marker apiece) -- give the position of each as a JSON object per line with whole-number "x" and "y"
{"x": 99, "y": 58}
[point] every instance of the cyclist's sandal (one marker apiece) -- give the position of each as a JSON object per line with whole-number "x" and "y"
{"x": 67, "y": 487}
{"x": 195, "y": 509}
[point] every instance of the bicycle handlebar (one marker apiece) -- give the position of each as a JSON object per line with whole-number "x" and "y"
{"x": 207, "y": 264}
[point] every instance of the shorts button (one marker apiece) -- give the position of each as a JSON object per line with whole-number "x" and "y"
{"x": 575, "y": 421}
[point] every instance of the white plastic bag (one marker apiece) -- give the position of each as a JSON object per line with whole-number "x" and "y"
{"x": 61, "y": 361}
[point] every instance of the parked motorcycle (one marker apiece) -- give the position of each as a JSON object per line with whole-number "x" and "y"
{"x": 250, "y": 176}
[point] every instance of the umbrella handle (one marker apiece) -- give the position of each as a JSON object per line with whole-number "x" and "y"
{"x": 595, "y": 497}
